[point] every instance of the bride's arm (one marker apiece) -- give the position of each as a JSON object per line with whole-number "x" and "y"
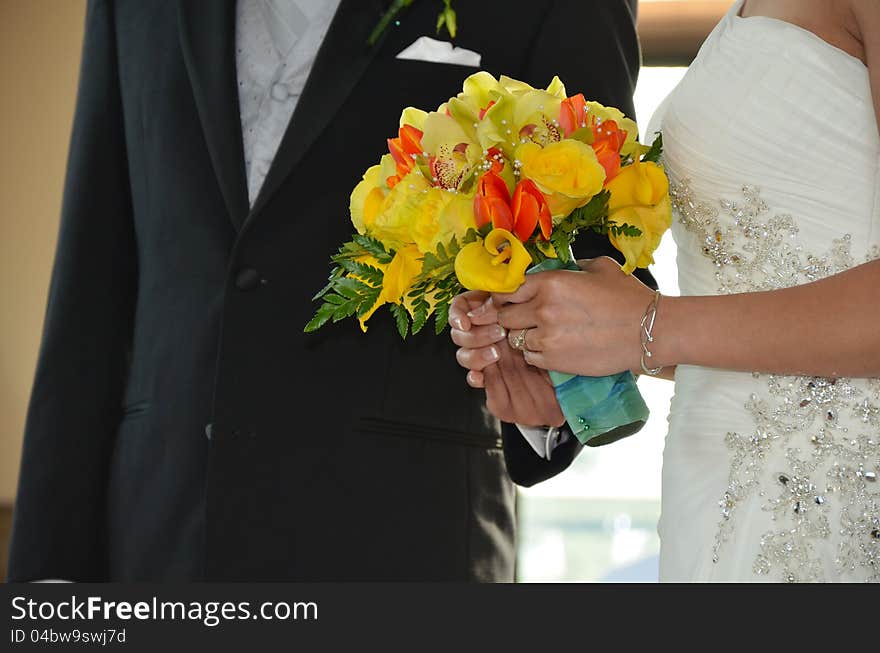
{"x": 588, "y": 323}
{"x": 827, "y": 328}
{"x": 867, "y": 26}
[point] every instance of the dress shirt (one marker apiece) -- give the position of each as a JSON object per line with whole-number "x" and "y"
{"x": 276, "y": 43}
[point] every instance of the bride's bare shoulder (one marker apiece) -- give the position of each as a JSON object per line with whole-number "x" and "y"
{"x": 866, "y": 20}
{"x": 833, "y": 21}
{"x": 866, "y": 14}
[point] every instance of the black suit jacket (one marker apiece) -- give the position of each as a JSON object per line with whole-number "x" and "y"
{"x": 181, "y": 425}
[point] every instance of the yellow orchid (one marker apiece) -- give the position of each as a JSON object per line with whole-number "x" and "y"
{"x": 502, "y": 112}
{"x": 454, "y": 153}
{"x": 413, "y": 117}
{"x": 366, "y": 199}
{"x": 529, "y": 115}
{"x": 496, "y": 264}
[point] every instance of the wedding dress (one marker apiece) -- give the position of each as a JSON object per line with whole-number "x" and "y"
{"x": 771, "y": 145}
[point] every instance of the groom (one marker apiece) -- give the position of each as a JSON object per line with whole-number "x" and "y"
{"x": 181, "y": 425}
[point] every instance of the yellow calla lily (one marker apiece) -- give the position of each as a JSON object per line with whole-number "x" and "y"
{"x": 652, "y": 221}
{"x": 399, "y": 274}
{"x": 640, "y": 198}
{"x": 497, "y": 264}
{"x": 643, "y": 183}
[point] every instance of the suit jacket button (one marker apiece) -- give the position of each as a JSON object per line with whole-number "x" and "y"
{"x": 247, "y": 279}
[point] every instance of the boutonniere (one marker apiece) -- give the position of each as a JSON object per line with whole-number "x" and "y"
{"x": 446, "y": 18}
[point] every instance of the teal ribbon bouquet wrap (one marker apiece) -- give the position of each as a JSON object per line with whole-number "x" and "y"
{"x": 598, "y": 409}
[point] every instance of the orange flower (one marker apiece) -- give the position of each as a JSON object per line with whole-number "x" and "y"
{"x": 530, "y": 208}
{"x": 492, "y": 202}
{"x": 404, "y": 149}
{"x": 573, "y": 115}
{"x": 494, "y": 156}
{"x": 608, "y": 138}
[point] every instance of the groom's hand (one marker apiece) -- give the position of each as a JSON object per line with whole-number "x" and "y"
{"x": 475, "y": 329}
{"x": 516, "y": 392}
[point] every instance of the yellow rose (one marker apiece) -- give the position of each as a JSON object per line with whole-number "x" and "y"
{"x": 567, "y": 172}
{"x": 497, "y": 264}
{"x": 640, "y": 198}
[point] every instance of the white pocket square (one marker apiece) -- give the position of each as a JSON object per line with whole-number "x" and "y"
{"x": 425, "y": 48}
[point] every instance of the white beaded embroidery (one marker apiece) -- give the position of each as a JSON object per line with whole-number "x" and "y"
{"x": 830, "y": 428}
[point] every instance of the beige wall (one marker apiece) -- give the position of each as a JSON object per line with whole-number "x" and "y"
{"x": 40, "y": 44}
{"x": 671, "y": 31}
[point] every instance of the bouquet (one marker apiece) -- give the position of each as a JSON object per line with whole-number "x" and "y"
{"x": 499, "y": 179}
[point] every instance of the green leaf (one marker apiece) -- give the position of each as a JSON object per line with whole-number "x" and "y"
{"x": 447, "y": 17}
{"x": 322, "y": 316}
{"x": 367, "y": 301}
{"x": 335, "y": 273}
{"x": 441, "y": 317}
{"x": 537, "y": 255}
{"x": 345, "y": 310}
{"x": 334, "y": 299}
{"x": 561, "y": 242}
{"x": 373, "y": 276}
{"x": 656, "y": 149}
{"x": 370, "y": 245}
{"x": 625, "y": 230}
{"x": 401, "y": 318}
{"x": 588, "y": 215}
{"x": 349, "y": 288}
{"x": 420, "y": 314}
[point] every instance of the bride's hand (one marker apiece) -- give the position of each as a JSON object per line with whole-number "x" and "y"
{"x": 584, "y": 322}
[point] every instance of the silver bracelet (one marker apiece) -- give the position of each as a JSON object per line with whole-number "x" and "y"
{"x": 647, "y": 334}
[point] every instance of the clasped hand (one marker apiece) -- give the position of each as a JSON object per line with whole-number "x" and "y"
{"x": 583, "y": 322}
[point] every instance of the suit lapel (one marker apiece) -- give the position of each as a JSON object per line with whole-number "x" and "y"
{"x": 207, "y": 37}
{"x": 340, "y": 62}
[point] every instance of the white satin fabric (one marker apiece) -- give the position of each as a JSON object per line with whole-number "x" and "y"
{"x": 772, "y": 148}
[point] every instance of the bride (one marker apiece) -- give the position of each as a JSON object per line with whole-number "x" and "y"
{"x": 771, "y": 461}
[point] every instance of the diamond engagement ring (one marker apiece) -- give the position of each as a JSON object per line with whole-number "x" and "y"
{"x": 519, "y": 340}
